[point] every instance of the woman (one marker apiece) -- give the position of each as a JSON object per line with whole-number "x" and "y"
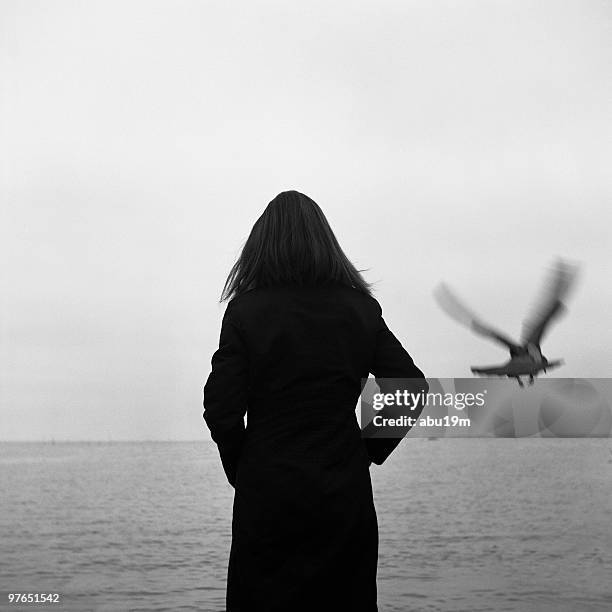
{"x": 300, "y": 335}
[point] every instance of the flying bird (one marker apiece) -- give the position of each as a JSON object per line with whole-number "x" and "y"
{"x": 526, "y": 358}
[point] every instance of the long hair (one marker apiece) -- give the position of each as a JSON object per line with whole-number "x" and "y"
{"x": 291, "y": 243}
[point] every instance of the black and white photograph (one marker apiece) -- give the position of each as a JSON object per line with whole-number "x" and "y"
{"x": 305, "y": 307}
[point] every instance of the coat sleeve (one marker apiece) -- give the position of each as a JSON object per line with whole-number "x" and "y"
{"x": 225, "y": 393}
{"x": 393, "y": 370}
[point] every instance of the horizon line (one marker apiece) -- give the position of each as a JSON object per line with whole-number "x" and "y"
{"x": 100, "y": 440}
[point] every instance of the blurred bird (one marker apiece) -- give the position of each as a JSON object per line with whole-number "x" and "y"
{"x": 526, "y": 357}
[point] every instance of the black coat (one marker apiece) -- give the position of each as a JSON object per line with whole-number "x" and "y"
{"x": 304, "y": 529}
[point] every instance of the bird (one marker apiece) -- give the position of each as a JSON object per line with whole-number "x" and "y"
{"x": 526, "y": 358}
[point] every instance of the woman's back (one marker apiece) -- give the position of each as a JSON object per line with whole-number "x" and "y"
{"x": 306, "y": 344}
{"x": 308, "y": 350}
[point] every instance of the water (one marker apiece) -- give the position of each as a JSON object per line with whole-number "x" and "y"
{"x": 465, "y": 524}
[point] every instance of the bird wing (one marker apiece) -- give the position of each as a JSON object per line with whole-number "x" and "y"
{"x": 550, "y": 304}
{"x": 455, "y": 309}
{"x": 490, "y": 371}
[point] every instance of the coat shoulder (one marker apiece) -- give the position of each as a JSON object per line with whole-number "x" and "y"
{"x": 271, "y": 297}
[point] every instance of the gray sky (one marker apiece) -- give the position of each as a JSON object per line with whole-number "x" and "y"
{"x": 464, "y": 141}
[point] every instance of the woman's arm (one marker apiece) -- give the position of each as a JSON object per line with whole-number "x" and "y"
{"x": 225, "y": 393}
{"x": 393, "y": 369}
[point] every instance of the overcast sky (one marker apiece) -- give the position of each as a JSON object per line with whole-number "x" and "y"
{"x": 466, "y": 141}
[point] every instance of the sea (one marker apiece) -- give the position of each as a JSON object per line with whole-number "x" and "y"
{"x": 465, "y": 525}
